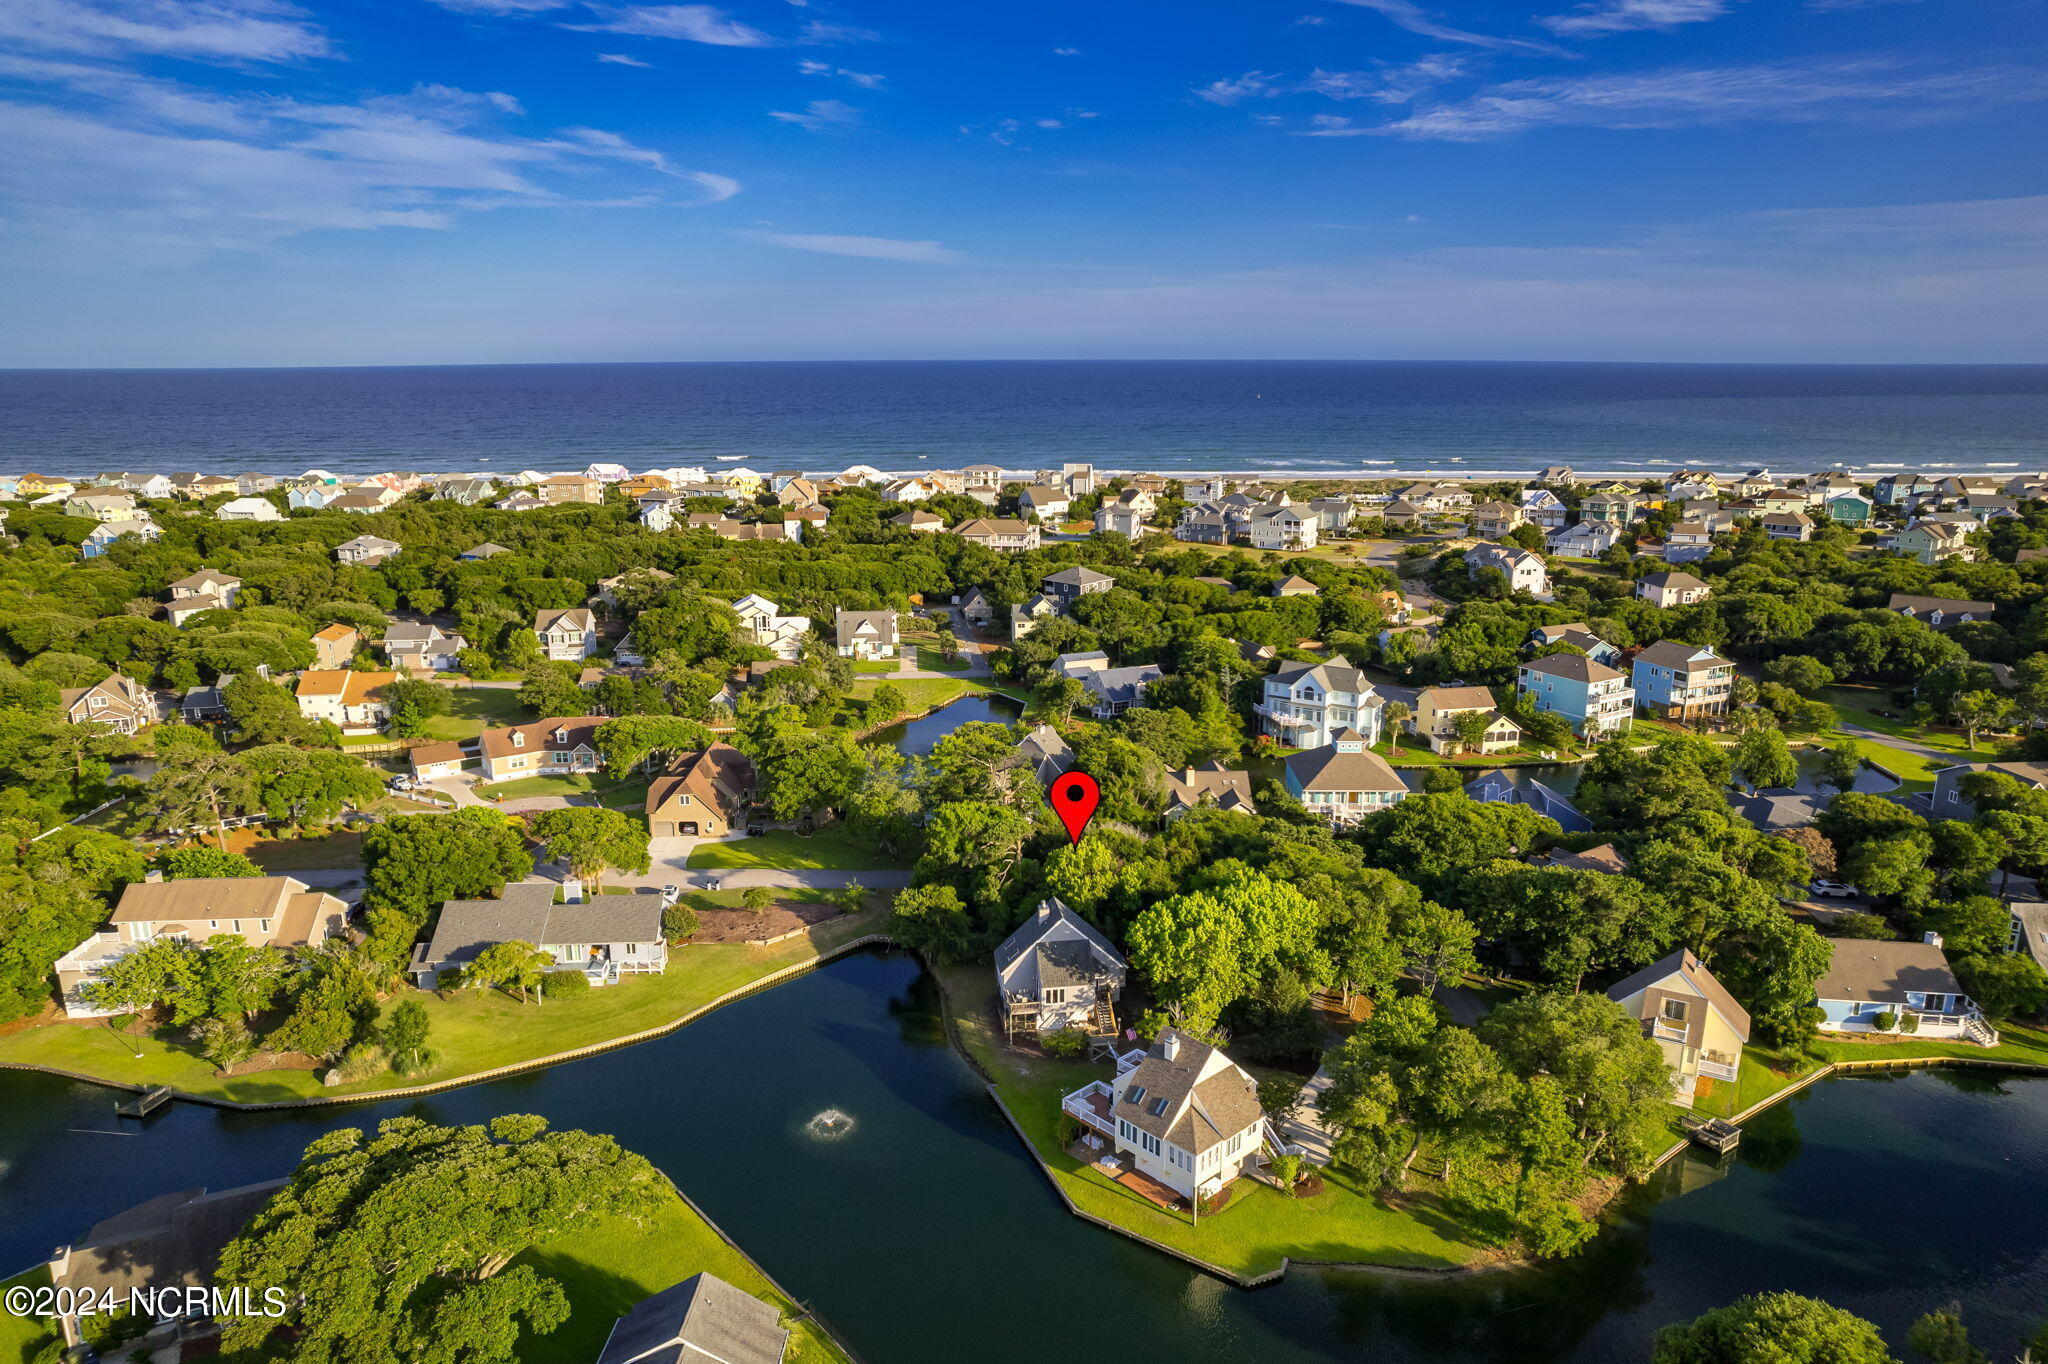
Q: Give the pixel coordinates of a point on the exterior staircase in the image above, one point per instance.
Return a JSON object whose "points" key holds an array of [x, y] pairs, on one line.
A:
{"points": [[1980, 1032]]}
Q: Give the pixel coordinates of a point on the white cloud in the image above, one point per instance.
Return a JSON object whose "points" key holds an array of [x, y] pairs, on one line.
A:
{"points": [[1048, 123], [1389, 85], [201, 30], [1597, 18], [621, 59], [134, 169], [820, 115], [502, 6], [1871, 90], [868, 248], [1066, 52], [690, 23], [818, 32], [1411, 16], [863, 79], [1234, 90]]}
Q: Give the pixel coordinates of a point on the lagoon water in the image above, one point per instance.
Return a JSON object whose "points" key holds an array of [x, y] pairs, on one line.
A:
{"points": [[925, 1234], [1332, 418]]}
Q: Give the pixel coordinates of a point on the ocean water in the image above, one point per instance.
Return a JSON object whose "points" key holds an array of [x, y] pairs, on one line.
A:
{"points": [[1331, 418]]}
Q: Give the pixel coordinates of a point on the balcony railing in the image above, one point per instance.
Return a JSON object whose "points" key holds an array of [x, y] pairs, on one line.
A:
{"points": [[1082, 1104], [1718, 1070]]}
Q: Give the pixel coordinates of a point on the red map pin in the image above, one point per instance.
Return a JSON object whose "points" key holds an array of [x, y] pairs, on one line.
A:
{"points": [[1074, 797]]}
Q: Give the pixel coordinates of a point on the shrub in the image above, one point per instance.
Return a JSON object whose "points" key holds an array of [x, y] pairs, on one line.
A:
{"points": [[1885, 1021], [557, 983], [1067, 1043], [1909, 1023], [678, 922], [1872, 926], [224, 1041], [1287, 1169], [359, 1062], [757, 899]]}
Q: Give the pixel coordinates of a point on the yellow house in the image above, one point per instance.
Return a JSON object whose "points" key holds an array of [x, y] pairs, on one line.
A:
{"points": [[1691, 1017], [36, 485], [1436, 714]]}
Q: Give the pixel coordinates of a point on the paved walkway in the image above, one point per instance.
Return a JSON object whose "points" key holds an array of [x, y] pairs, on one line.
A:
{"points": [[1304, 1128]]}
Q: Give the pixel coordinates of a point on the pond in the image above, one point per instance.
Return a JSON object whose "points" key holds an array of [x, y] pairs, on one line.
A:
{"points": [[922, 1232], [918, 737]]}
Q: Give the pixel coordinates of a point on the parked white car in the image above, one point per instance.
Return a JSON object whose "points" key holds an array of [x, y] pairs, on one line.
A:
{"points": [[1832, 890]]}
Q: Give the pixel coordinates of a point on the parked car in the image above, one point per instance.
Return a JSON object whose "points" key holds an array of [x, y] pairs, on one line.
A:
{"points": [[402, 782], [1833, 890]]}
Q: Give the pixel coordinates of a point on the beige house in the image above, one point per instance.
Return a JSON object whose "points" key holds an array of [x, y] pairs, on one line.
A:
{"points": [[1213, 785], [702, 795], [1691, 1017], [347, 698], [1931, 542], [572, 488], [543, 748], [366, 550], [264, 911], [1491, 520], [1437, 710], [566, 636], [118, 701], [865, 634], [1672, 589], [334, 646], [999, 533]]}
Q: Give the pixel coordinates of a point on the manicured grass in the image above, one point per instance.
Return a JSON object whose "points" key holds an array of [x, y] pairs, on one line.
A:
{"points": [[830, 849], [1860, 706], [605, 1270], [477, 709], [630, 794], [22, 1337], [876, 665], [470, 1030], [921, 694], [930, 660], [1258, 1228], [1915, 771]]}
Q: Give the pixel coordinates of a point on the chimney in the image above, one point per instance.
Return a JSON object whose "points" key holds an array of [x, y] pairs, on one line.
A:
{"points": [[152, 877], [1931, 939], [1169, 1044]]}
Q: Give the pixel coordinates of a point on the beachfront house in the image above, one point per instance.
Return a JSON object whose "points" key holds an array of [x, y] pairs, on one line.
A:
{"points": [[1594, 697], [1056, 973], [1180, 1121], [701, 795], [263, 911], [1305, 705], [1870, 985], [1691, 1017], [610, 937], [1343, 781]]}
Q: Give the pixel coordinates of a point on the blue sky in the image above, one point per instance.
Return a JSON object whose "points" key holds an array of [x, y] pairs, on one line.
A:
{"points": [[232, 182]]}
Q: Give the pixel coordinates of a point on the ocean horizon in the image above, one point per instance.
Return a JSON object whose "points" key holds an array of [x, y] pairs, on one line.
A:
{"points": [[1299, 418]]}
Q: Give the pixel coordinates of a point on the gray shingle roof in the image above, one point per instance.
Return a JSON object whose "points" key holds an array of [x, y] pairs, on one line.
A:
{"points": [[701, 1319]]}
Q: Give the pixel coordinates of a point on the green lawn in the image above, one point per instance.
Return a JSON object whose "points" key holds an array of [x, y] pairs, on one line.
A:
{"points": [[876, 665], [930, 660], [21, 1338], [1915, 772], [921, 694], [1259, 1226], [630, 794], [829, 849], [478, 709], [471, 1031], [607, 1269], [1860, 706]]}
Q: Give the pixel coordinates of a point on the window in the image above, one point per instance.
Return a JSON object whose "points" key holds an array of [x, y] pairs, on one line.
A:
{"points": [[1054, 996], [1674, 1010]]}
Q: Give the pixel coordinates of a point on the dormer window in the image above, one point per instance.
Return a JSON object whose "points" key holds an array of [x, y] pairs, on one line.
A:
{"points": [[518, 739]]}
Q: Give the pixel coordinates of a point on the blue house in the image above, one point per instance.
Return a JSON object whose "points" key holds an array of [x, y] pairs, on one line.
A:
{"points": [[1594, 697], [1906, 981]]}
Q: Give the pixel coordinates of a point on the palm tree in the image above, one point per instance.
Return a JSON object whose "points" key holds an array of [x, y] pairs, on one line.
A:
{"points": [[1397, 713]]}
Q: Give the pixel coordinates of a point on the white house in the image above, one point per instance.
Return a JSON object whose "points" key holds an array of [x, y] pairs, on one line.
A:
{"points": [[366, 550], [1522, 568], [865, 634], [568, 635], [1057, 972], [769, 629], [248, 509], [1307, 704], [1181, 1112], [1587, 540], [425, 647], [1284, 528], [346, 698]]}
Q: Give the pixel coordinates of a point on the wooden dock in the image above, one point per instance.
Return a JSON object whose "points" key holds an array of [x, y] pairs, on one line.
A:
{"points": [[145, 1103], [1715, 1134]]}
